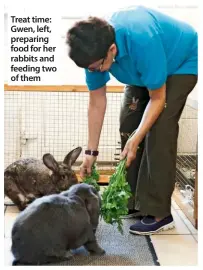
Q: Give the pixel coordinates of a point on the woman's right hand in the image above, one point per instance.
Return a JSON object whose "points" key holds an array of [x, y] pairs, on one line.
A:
{"points": [[86, 167]]}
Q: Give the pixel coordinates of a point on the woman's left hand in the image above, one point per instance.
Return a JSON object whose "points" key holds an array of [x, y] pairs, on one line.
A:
{"points": [[130, 150]]}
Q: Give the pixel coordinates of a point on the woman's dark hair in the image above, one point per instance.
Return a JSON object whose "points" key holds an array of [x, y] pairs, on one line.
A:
{"points": [[89, 41]]}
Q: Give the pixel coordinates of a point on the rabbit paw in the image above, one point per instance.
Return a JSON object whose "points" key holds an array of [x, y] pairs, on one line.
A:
{"points": [[31, 197]]}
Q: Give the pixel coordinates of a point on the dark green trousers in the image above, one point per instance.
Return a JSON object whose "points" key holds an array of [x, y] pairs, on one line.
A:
{"points": [[152, 174]]}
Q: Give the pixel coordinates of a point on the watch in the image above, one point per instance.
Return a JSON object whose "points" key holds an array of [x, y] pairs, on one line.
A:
{"points": [[92, 153]]}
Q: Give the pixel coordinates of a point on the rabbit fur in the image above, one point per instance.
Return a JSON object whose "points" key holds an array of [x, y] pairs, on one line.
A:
{"points": [[51, 226], [30, 178]]}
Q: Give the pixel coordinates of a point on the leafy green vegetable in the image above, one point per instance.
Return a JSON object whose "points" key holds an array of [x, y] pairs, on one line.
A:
{"points": [[115, 197], [93, 178]]}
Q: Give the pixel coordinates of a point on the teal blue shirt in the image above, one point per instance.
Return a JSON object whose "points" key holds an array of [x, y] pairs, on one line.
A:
{"points": [[151, 46]]}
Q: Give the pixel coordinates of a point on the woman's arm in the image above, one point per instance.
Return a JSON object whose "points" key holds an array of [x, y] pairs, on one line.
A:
{"points": [[96, 112]]}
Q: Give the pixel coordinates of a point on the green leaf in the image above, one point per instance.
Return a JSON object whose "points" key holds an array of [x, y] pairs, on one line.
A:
{"points": [[115, 197], [93, 178]]}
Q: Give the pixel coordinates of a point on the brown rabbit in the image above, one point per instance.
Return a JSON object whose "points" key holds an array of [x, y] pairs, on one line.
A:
{"points": [[30, 178]]}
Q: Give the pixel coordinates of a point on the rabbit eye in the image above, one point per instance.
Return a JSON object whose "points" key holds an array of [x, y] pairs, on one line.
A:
{"points": [[63, 177]]}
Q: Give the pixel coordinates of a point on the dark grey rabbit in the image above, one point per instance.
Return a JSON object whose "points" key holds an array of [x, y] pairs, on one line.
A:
{"points": [[28, 179], [47, 230]]}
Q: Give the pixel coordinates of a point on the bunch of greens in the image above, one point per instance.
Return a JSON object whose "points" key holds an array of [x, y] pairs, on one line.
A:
{"points": [[93, 178], [115, 197]]}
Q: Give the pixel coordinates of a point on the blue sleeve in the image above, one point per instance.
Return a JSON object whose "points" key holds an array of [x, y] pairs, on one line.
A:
{"points": [[151, 62], [95, 80]]}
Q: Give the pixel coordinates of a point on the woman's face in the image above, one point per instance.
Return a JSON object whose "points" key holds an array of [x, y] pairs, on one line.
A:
{"points": [[104, 64]]}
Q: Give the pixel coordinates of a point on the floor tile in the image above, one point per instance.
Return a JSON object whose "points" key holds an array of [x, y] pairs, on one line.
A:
{"points": [[8, 257], [187, 222], [176, 250], [174, 205], [12, 209], [195, 237], [9, 219]]}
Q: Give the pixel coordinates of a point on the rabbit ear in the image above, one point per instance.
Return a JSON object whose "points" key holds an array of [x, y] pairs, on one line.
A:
{"points": [[93, 191], [72, 156], [50, 162]]}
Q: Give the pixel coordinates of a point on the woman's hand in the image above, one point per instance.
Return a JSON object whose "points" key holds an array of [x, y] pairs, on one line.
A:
{"points": [[130, 150], [86, 167]]}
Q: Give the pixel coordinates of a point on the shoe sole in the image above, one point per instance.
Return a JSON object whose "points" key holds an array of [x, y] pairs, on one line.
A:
{"points": [[167, 227]]}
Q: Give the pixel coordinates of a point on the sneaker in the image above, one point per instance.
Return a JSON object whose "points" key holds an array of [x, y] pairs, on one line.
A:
{"points": [[131, 214], [148, 225]]}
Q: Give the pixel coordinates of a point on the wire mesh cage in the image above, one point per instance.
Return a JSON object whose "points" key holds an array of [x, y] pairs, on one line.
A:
{"points": [[187, 154], [56, 122]]}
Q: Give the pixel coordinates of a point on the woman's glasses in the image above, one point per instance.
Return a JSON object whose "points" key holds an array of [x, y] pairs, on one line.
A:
{"points": [[98, 68]]}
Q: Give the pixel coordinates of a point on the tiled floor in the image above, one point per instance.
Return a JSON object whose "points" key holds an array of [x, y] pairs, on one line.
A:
{"points": [[177, 247], [174, 247]]}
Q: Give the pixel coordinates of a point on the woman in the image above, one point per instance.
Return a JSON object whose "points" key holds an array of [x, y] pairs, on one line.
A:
{"points": [[156, 57]]}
